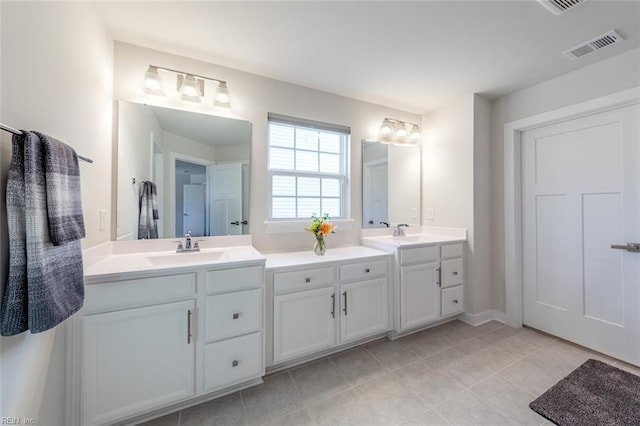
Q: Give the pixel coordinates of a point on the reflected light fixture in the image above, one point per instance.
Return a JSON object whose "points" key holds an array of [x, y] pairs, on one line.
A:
{"points": [[399, 133], [191, 87]]}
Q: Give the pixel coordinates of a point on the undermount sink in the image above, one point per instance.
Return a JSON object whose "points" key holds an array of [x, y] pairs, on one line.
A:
{"points": [[185, 258]]}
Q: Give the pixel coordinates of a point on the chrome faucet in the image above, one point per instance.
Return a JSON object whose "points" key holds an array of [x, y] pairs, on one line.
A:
{"points": [[187, 244], [399, 231]]}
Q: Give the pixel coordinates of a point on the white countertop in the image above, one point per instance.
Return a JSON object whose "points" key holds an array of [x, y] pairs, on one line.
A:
{"points": [[299, 258], [415, 236], [118, 260]]}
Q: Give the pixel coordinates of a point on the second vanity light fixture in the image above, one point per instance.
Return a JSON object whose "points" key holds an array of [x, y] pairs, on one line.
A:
{"points": [[399, 132], [190, 86]]}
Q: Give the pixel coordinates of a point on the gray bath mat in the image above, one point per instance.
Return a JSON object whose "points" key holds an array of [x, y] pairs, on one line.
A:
{"points": [[593, 394]]}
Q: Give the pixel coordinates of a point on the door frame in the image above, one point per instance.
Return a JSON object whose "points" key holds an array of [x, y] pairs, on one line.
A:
{"points": [[513, 186]]}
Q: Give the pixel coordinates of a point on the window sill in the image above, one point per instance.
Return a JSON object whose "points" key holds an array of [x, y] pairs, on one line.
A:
{"points": [[290, 226]]}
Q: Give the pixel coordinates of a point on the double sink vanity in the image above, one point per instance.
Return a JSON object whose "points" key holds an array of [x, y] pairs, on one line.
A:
{"points": [[162, 330]]}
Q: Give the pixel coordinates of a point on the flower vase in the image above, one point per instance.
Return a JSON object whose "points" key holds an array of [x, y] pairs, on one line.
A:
{"points": [[319, 248]]}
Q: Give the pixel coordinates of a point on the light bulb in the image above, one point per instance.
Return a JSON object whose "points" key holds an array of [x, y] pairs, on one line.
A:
{"points": [[386, 131]]}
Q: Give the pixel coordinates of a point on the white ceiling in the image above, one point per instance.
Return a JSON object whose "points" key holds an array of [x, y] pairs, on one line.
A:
{"points": [[414, 56], [204, 128]]}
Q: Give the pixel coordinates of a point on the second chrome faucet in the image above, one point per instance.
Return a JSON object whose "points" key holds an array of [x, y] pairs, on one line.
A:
{"points": [[187, 244]]}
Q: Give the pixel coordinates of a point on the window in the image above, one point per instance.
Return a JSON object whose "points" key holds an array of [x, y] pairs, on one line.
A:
{"points": [[307, 168]]}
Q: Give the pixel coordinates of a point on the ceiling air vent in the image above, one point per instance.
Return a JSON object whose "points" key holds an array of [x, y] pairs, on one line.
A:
{"points": [[600, 42], [558, 7]]}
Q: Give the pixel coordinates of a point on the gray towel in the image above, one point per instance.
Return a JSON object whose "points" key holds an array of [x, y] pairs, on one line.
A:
{"points": [[64, 205], [148, 205], [45, 282]]}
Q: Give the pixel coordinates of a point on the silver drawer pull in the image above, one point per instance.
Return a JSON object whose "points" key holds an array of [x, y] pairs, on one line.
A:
{"points": [[367, 270], [236, 315], [307, 280], [455, 300], [235, 363]]}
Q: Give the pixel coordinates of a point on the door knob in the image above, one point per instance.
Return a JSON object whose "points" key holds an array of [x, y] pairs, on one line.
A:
{"points": [[631, 247]]}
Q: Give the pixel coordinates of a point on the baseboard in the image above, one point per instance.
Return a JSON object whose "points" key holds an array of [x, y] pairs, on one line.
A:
{"points": [[482, 317]]}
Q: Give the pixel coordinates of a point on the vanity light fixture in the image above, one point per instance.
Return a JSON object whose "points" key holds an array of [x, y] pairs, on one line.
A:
{"points": [[191, 87], [398, 132], [153, 82]]}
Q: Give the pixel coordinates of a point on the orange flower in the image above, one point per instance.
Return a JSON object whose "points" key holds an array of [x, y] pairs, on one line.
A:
{"points": [[325, 229]]}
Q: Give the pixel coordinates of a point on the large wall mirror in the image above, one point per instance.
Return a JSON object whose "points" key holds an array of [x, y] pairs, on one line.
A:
{"points": [[199, 164], [390, 184]]}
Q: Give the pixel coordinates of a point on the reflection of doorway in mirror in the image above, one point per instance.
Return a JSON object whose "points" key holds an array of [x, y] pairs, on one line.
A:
{"points": [[226, 213], [190, 198], [375, 193]]}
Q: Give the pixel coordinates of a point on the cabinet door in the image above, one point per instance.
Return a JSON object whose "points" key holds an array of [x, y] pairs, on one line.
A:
{"points": [[136, 360], [419, 295], [303, 323], [364, 309]]}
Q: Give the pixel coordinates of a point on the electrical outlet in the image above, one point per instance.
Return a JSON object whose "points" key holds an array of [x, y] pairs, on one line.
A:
{"points": [[430, 213], [414, 213], [104, 217]]}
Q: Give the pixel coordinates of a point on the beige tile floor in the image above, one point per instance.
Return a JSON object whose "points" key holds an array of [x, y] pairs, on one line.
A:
{"points": [[451, 374]]}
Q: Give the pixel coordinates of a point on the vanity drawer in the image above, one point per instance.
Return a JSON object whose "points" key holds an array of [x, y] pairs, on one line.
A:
{"points": [[284, 282], [232, 314], [232, 361], [452, 300], [363, 270], [140, 292], [452, 272], [223, 280], [419, 254], [452, 250]]}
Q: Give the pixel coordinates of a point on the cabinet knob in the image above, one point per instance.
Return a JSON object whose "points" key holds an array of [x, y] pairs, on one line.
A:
{"points": [[367, 270], [235, 363], [307, 280], [236, 315], [455, 300], [455, 272]]}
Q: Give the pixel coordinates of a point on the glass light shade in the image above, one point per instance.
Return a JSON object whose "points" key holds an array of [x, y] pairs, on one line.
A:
{"points": [[189, 89], [414, 135], [153, 82], [222, 98], [401, 133], [386, 131]]}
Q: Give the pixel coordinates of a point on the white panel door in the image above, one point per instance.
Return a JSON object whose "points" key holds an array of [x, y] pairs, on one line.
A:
{"points": [[194, 209], [226, 199], [581, 194], [136, 360], [364, 307], [303, 323], [419, 295], [375, 193]]}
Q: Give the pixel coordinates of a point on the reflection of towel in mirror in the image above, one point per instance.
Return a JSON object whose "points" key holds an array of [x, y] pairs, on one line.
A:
{"points": [[45, 282], [148, 204]]}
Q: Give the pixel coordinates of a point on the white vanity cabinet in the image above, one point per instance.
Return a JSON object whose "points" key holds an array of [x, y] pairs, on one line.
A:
{"points": [[233, 326], [158, 340], [122, 372], [430, 284], [452, 279], [317, 306]]}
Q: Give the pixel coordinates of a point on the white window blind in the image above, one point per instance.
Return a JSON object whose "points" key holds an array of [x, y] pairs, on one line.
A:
{"points": [[307, 168]]}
